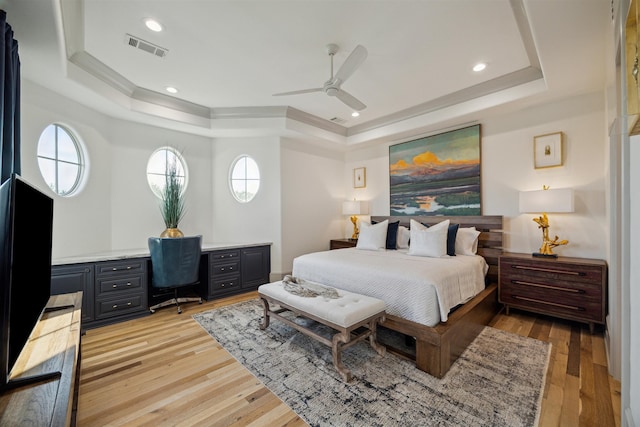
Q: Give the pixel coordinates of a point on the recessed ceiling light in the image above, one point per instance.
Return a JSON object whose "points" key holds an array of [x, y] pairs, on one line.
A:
{"points": [[153, 25], [479, 67], [355, 114], [171, 89]]}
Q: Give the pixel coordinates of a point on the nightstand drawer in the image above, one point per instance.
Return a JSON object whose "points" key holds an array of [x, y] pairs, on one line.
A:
{"points": [[551, 272], [570, 288], [342, 243], [558, 302]]}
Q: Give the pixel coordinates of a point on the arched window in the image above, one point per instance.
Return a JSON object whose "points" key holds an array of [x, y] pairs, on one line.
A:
{"points": [[244, 179], [160, 162], [60, 159]]}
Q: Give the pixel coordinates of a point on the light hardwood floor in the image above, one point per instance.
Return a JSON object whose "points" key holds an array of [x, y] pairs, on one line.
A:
{"points": [[165, 369]]}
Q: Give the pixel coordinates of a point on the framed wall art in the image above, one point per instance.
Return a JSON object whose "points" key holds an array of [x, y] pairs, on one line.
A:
{"points": [[547, 150], [359, 177], [436, 175]]}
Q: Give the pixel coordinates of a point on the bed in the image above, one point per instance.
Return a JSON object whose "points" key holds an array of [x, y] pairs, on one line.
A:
{"points": [[443, 322]]}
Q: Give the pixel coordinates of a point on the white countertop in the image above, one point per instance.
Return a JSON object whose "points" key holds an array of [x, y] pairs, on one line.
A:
{"points": [[141, 253]]}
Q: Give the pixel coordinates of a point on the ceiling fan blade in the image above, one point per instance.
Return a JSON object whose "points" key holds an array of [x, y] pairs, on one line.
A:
{"points": [[298, 92], [350, 100], [352, 63]]}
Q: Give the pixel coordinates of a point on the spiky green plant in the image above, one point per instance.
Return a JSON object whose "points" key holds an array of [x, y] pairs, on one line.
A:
{"points": [[172, 206]]}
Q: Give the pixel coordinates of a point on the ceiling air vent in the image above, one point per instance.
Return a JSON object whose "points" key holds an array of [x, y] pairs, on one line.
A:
{"points": [[338, 120], [144, 45]]}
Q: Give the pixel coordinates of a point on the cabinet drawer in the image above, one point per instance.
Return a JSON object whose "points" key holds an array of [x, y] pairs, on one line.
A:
{"points": [[119, 306], [549, 290], [551, 272], [119, 267], [230, 267], [579, 309], [228, 285], [118, 284], [218, 256]]}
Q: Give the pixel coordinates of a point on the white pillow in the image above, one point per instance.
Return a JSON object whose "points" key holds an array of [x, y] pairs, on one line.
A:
{"points": [[402, 242], [372, 237], [430, 242], [467, 241]]}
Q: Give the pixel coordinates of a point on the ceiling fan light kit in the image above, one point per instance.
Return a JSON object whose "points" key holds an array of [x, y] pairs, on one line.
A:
{"points": [[332, 86]]}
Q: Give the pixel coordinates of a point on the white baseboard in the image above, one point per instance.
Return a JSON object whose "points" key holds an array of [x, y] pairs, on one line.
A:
{"points": [[629, 418]]}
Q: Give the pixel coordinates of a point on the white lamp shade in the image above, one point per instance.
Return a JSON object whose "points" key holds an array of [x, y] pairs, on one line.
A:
{"points": [[548, 201], [355, 207]]}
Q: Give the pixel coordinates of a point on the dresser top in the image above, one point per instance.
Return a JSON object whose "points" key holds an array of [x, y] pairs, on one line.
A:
{"points": [[142, 253], [559, 259]]}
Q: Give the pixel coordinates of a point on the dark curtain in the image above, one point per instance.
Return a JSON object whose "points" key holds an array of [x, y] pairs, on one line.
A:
{"points": [[9, 101]]}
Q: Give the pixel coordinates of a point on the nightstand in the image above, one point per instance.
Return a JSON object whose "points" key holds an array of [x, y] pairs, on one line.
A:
{"points": [[569, 288], [342, 243]]}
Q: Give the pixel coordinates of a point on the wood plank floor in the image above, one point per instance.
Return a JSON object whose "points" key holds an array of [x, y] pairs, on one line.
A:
{"points": [[165, 369]]}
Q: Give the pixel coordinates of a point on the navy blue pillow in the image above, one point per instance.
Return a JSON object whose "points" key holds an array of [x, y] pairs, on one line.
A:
{"points": [[392, 234], [451, 239], [452, 232]]}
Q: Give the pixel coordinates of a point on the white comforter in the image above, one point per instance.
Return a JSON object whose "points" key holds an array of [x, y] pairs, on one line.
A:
{"points": [[419, 289]]}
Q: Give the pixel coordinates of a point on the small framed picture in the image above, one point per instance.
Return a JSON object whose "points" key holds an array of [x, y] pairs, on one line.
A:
{"points": [[547, 150], [359, 177]]}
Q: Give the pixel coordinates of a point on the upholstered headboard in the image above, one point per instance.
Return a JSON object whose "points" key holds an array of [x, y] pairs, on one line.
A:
{"points": [[489, 241]]}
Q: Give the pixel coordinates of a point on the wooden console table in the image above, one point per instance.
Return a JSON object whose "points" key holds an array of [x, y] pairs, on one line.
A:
{"points": [[54, 345]]}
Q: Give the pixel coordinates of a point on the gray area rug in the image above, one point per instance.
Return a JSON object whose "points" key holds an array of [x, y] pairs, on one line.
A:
{"points": [[497, 381]]}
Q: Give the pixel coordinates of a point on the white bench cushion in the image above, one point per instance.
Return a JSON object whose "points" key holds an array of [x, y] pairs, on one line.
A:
{"points": [[345, 311]]}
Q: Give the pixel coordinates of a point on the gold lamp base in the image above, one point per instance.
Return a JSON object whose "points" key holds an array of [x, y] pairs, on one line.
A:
{"points": [[356, 231], [546, 250]]}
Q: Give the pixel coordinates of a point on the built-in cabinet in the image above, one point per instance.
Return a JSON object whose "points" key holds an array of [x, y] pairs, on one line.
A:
{"points": [[118, 289]]}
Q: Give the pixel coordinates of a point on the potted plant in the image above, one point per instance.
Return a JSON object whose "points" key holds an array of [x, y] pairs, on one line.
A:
{"points": [[172, 203]]}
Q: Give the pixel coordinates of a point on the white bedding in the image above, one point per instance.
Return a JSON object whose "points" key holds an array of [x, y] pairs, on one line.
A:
{"points": [[420, 289]]}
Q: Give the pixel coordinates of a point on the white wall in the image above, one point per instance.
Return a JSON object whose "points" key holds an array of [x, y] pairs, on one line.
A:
{"points": [[116, 208], [82, 224], [634, 280], [259, 219], [507, 168], [135, 212], [312, 191]]}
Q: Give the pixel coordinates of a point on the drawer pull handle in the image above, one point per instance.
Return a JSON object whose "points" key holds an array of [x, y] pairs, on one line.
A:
{"points": [[222, 269], [114, 286], [128, 283], [115, 306], [555, 288], [555, 304], [548, 270]]}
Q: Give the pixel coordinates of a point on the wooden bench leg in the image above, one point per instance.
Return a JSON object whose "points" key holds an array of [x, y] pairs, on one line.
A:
{"points": [[336, 349], [265, 319], [373, 337]]}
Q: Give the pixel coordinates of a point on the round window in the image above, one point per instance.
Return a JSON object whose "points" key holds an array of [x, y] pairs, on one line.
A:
{"points": [[244, 179], [60, 159], [160, 163]]}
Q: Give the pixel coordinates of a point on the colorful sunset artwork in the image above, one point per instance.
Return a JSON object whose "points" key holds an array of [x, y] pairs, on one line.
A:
{"points": [[436, 175]]}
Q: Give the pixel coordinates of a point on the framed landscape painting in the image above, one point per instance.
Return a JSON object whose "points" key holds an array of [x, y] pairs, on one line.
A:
{"points": [[436, 175]]}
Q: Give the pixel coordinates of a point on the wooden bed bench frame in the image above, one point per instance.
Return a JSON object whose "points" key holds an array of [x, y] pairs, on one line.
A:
{"points": [[439, 346], [346, 336]]}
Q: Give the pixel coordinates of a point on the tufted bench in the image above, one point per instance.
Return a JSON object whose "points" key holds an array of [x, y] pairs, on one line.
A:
{"points": [[345, 314]]}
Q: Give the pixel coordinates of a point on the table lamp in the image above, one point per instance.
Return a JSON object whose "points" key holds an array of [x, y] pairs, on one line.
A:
{"points": [[544, 201], [354, 208]]}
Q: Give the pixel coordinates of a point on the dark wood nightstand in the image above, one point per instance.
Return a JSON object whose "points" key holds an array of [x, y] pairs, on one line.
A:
{"points": [[342, 243], [569, 288]]}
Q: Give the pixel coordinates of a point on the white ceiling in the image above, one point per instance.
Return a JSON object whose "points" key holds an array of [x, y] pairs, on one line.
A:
{"points": [[228, 57]]}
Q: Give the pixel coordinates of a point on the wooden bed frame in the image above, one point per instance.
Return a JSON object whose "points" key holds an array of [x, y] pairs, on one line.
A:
{"points": [[439, 346]]}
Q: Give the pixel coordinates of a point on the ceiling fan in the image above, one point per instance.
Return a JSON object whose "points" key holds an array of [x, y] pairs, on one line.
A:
{"points": [[332, 86]]}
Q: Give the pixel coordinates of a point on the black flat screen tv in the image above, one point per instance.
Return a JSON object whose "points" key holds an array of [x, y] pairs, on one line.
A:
{"points": [[26, 226]]}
